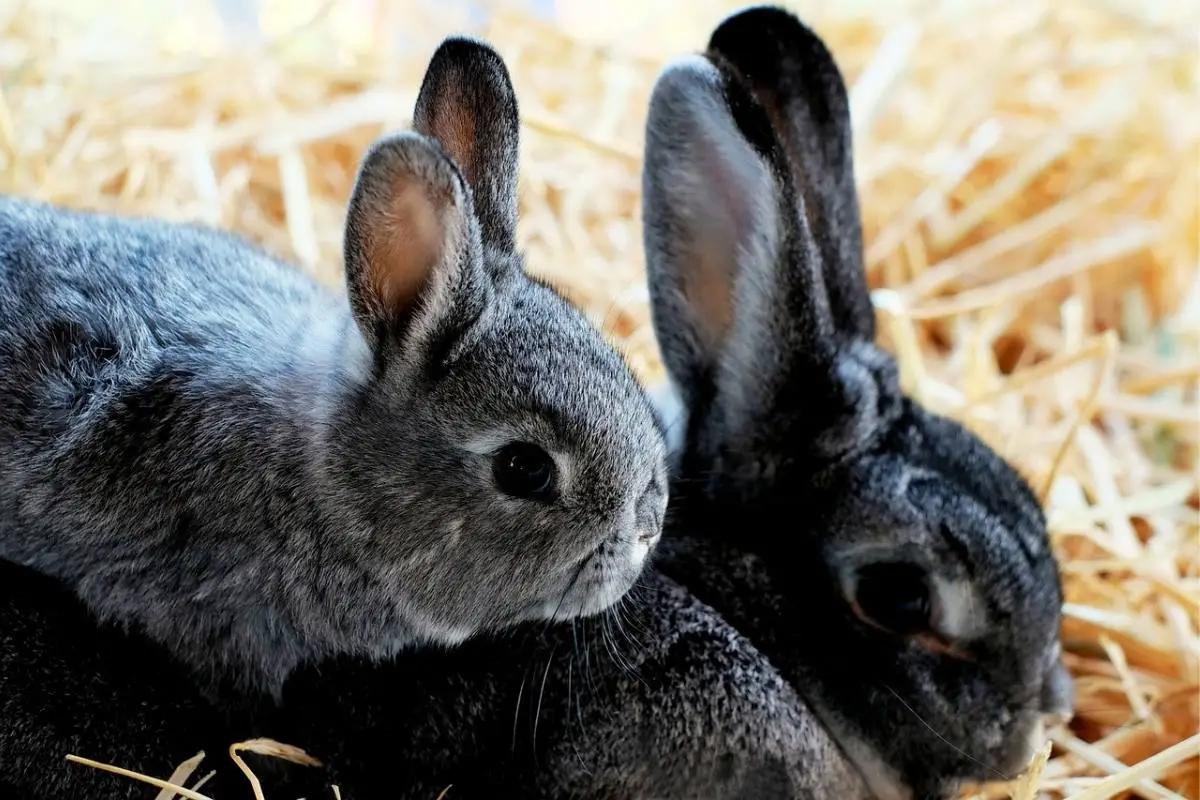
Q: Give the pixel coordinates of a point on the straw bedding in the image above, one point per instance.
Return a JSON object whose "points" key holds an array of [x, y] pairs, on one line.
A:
{"points": [[1031, 189]]}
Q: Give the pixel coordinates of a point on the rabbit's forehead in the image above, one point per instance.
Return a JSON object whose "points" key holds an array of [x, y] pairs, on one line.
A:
{"points": [[542, 371]]}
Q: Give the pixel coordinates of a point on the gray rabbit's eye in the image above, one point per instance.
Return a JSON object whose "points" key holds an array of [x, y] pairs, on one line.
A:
{"points": [[894, 596], [525, 470]]}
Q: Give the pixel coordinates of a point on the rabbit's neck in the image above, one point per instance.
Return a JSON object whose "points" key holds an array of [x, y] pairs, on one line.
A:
{"points": [[302, 592]]}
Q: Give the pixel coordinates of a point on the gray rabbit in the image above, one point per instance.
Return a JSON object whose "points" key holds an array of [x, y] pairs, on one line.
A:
{"points": [[259, 472], [893, 567]]}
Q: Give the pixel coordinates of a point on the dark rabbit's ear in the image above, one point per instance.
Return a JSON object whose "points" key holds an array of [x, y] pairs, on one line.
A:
{"points": [[738, 303], [411, 245], [794, 76], [467, 104]]}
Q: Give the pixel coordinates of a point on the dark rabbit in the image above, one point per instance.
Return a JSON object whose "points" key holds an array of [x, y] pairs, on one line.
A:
{"points": [[260, 472], [679, 707], [894, 568]]}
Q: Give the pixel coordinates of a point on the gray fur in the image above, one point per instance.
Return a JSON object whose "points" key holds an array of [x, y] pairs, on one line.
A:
{"points": [[257, 471], [802, 462]]}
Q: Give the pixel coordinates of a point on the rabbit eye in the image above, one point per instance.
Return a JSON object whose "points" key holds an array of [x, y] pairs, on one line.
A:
{"points": [[524, 470], [894, 596]]}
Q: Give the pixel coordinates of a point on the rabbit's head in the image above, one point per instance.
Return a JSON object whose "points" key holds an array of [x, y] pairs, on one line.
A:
{"points": [[501, 455], [903, 574]]}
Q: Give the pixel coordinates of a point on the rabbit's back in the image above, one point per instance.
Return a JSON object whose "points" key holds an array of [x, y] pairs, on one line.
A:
{"points": [[98, 309], [84, 293], [150, 374]]}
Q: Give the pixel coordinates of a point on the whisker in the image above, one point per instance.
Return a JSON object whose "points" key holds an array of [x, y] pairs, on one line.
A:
{"points": [[537, 715], [553, 618], [995, 772], [613, 647], [630, 620], [587, 658], [517, 711], [587, 770]]}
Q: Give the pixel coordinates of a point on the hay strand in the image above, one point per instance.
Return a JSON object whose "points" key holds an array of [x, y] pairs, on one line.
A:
{"points": [[180, 777], [165, 786], [267, 747]]}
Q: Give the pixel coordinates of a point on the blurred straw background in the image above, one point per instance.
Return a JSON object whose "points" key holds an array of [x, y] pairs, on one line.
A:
{"points": [[1031, 188]]}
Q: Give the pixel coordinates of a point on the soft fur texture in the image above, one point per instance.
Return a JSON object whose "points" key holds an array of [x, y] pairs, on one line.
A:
{"points": [[260, 472], [804, 474], [673, 704]]}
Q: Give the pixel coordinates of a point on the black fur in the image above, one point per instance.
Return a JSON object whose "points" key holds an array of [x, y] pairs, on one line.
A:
{"points": [[672, 704]]}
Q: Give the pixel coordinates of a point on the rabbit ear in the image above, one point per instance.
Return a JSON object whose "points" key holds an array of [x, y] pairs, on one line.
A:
{"points": [[738, 303], [794, 76], [411, 242], [467, 104]]}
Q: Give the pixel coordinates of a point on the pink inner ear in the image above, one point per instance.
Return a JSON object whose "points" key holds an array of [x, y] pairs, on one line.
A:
{"points": [[730, 220], [406, 239]]}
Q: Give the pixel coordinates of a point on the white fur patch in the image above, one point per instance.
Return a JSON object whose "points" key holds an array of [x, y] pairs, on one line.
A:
{"points": [[641, 549], [961, 614]]}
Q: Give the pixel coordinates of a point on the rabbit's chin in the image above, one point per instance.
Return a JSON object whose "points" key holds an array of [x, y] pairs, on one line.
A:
{"points": [[1024, 746], [598, 584], [886, 783]]}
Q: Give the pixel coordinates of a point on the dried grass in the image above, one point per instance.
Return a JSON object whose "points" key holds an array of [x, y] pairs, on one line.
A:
{"points": [[1030, 180]]}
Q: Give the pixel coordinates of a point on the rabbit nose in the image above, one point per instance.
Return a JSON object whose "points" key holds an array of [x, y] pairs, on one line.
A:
{"points": [[649, 536]]}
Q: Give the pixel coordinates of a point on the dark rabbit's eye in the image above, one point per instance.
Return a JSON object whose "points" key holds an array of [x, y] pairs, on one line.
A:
{"points": [[524, 470], [894, 596]]}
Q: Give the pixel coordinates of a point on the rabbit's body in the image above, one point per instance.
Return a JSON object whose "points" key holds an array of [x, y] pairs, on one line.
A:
{"points": [[168, 394], [72, 686], [678, 707], [258, 471]]}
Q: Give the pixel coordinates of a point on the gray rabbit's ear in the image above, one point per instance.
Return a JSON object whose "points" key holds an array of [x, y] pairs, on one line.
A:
{"points": [[795, 78], [467, 105], [411, 243], [737, 299]]}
